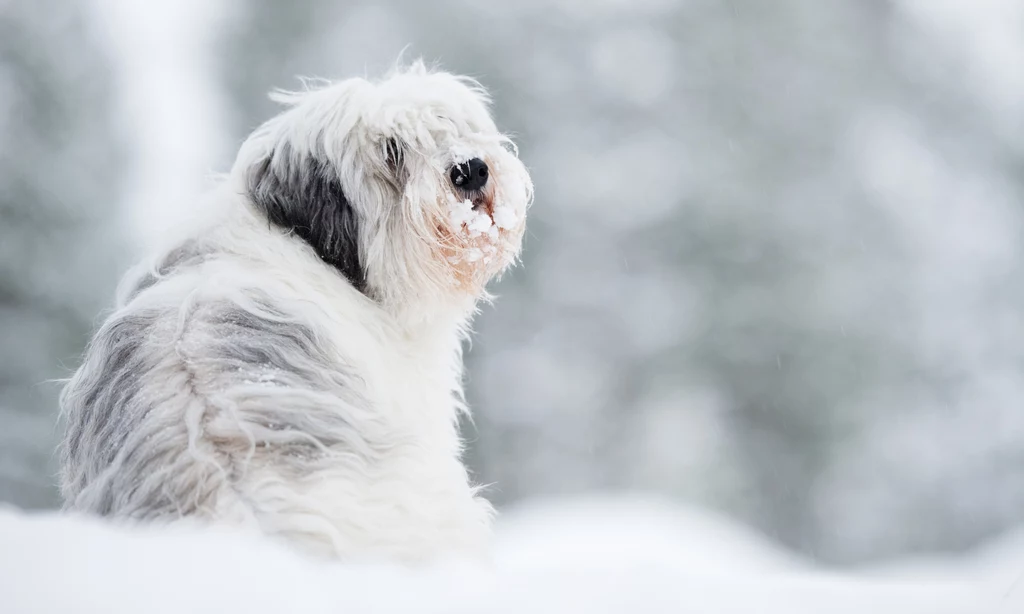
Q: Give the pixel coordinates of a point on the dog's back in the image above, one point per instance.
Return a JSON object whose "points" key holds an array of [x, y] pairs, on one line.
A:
{"points": [[230, 387]]}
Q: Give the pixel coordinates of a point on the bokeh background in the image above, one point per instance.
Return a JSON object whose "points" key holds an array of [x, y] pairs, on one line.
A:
{"points": [[774, 268]]}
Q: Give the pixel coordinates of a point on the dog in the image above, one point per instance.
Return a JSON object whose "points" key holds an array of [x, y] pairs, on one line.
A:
{"points": [[291, 362]]}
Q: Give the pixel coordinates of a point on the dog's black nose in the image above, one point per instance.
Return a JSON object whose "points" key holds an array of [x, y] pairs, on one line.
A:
{"points": [[470, 176]]}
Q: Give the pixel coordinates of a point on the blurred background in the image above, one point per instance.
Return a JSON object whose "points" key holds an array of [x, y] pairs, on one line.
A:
{"points": [[773, 270]]}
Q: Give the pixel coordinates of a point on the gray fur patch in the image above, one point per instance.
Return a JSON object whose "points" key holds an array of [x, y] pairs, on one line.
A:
{"points": [[302, 194], [269, 350], [189, 254], [260, 383], [101, 403]]}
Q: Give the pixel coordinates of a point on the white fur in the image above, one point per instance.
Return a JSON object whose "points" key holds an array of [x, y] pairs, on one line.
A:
{"points": [[344, 442]]}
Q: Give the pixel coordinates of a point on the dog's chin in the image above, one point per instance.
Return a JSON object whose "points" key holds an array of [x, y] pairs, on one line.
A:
{"points": [[480, 236]]}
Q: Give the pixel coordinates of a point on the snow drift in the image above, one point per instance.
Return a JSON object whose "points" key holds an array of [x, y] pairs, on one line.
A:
{"points": [[596, 556]]}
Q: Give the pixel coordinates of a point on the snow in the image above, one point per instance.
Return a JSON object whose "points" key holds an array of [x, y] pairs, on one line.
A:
{"points": [[480, 227], [462, 153], [554, 534], [505, 217], [479, 224], [595, 555], [460, 212]]}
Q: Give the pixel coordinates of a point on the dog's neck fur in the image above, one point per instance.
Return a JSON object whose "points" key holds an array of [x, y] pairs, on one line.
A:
{"points": [[431, 330]]}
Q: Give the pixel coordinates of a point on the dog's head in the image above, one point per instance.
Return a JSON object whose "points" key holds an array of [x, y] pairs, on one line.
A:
{"points": [[405, 185]]}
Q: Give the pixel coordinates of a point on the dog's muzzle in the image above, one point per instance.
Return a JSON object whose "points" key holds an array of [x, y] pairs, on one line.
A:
{"points": [[469, 176]]}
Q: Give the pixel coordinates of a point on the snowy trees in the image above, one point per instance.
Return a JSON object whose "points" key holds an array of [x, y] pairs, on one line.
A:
{"points": [[58, 237]]}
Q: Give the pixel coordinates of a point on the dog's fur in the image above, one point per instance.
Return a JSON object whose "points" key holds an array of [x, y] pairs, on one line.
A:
{"points": [[293, 362]]}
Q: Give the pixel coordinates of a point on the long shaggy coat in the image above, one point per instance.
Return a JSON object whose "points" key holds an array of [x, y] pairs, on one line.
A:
{"points": [[291, 361]]}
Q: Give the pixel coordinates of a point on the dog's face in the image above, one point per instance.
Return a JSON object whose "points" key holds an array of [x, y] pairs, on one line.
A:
{"points": [[405, 186]]}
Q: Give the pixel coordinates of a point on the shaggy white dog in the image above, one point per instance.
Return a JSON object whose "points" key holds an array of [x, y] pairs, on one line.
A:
{"points": [[294, 363]]}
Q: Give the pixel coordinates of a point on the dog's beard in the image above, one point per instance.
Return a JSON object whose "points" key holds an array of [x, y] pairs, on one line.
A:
{"points": [[479, 233]]}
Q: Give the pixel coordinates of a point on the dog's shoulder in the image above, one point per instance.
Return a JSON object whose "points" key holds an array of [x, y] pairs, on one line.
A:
{"points": [[198, 348]]}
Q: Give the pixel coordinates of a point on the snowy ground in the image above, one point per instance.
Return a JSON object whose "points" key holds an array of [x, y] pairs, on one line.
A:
{"points": [[593, 555]]}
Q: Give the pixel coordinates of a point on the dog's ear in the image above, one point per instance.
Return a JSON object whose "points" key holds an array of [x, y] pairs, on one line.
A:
{"points": [[303, 195]]}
